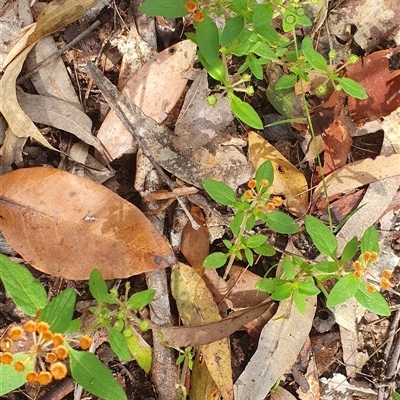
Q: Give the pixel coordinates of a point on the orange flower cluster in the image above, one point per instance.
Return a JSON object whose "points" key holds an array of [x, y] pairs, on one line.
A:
{"points": [[362, 266], [251, 194], [46, 352], [191, 6]]}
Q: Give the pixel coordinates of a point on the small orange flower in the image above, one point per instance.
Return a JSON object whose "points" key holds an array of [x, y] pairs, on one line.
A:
{"points": [[373, 255], [85, 342], [6, 358], [248, 194], [199, 16], [366, 256], [61, 352], [31, 376], [42, 327], [252, 183], [277, 200], [58, 370], [270, 206], [371, 288], [357, 265], [15, 332], [260, 208], [385, 284], [386, 273], [19, 366], [44, 377], [191, 6], [6, 344], [264, 183], [51, 357], [47, 335], [357, 274], [58, 338], [30, 326]]}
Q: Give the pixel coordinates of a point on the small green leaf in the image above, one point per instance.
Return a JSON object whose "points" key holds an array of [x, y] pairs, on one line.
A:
{"points": [[352, 88], [207, 38], [265, 250], [327, 267], [286, 82], [263, 51], [10, 378], [232, 30], [289, 268], [98, 287], [299, 301], [219, 192], [59, 312], [282, 292], [140, 350], [265, 171], [308, 287], [215, 260], [89, 372], [370, 240], [281, 222], [141, 299], [249, 256], [216, 70], [266, 285], [236, 223], [349, 250], [322, 237], [246, 113], [307, 43], [27, 293], [256, 241], [74, 326], [168, 9], [118, 344], [344, 289], [373, 302], [255, 67], [251, 220], [315, 59]]}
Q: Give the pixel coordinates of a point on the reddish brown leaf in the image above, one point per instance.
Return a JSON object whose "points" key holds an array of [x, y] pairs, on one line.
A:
{"points": [[65, 226]]}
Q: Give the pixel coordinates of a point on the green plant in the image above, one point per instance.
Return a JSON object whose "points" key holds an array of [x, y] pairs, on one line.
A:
{"points": [[50, 336], [298, 278], [246, 29]]}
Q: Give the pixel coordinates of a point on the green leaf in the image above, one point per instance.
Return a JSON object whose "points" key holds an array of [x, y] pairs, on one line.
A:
{"points": [[299, 301], [207, 38], [281, 222], [89, 372], [322, 237], [289, 21], [168, 9], [374, 302], [236, 222], [344, 289], [262, 17], [245, 112], [289, 268], [308, 287], [284, 100], [216, 70], [316, 60], [327, 267], [232, 30], [255, 67], [251, 220], [215, 260], [118, 344], [282, 292], [256, 241], [286, 82], [349, 250], [265, 171], [265, 250], [59, 312], [352, 88], [266, 285], [263, 51], [27, 293], [370, 240], [98, 287], [140, 350], [219, 192], [10, 378], [249, 256], [307, 43], [238, 6], [141, 299], [74, 326]]}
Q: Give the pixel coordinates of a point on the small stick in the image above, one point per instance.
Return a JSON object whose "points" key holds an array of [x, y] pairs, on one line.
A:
{"points": [[58, 53]]}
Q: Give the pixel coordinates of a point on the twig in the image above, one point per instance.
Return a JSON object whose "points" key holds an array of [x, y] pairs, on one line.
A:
{"points": [[58, 53]]}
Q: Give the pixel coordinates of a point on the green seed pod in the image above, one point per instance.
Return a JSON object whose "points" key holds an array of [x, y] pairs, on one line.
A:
{"points": [[332, 54], [290, 19], [300, 11], [212, 100], [127, 332], [353, 59], [250, 90]]}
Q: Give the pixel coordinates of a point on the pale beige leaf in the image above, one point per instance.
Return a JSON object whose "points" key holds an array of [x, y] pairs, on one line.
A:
{"points": [[65, 225]]}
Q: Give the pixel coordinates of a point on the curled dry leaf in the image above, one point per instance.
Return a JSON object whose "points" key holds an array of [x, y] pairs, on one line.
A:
{"points": [[65, 225], [288, 180]]}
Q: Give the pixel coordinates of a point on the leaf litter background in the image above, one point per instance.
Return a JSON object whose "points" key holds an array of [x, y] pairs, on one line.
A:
{"points": [[59, 107]]}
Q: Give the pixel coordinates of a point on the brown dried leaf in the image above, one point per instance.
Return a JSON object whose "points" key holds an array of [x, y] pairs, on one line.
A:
{"points": [[288, 180], [65, 225], [196, 305]]}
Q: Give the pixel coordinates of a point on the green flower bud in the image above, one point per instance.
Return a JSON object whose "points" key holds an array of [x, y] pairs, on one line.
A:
{"points": [[250, 90], [212, 100], [338, 87], [144, 326], [120, 315], [300, 11], [332, 54], [290, 19], [353, 59], [127, 332], [114, 292], [321, 90], [246, 77]]}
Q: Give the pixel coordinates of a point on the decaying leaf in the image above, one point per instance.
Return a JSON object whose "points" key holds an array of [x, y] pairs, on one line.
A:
{"points": [[65, 225], [196, 305], [288, 180], [155, 89], [359, 173]]}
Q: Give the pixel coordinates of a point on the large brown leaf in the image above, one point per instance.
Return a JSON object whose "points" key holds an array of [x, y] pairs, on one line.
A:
{"points": [[65, 225]]}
